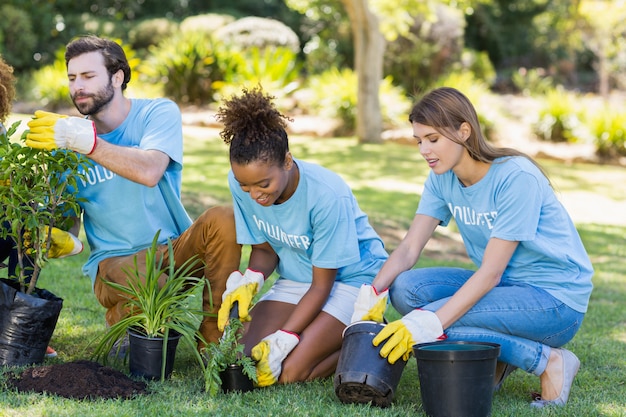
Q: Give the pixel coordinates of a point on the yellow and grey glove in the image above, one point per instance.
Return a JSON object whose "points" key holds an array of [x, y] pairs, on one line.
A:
{"points": [[63, 244], [240, 288], [419, 326], [270, 353], [370, 304], [51, 131]]}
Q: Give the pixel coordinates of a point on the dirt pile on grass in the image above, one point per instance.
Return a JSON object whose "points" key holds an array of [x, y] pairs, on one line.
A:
{"points": [[77, 380]]}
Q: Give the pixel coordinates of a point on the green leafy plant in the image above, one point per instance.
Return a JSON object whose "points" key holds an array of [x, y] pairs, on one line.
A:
{"points": [[227, 351], [158, 311], [38, 191], [609, 131]]}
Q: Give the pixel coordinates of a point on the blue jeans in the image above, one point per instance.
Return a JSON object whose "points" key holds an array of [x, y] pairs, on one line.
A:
{"points": [[524, 320]]}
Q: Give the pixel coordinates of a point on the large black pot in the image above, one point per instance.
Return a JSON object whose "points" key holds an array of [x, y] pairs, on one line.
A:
{"points": [[146, 354], [26, 323], [456, 378]]}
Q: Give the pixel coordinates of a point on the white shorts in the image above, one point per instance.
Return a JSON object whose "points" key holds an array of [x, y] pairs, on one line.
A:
{"points": [[340, 303]]}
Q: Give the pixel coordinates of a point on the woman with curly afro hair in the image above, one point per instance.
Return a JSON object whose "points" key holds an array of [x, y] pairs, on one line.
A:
{"points": [[303, 223], [7, 92]]}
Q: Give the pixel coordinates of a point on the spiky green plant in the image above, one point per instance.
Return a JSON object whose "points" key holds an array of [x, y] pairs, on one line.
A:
{"points": [[157, 311]]}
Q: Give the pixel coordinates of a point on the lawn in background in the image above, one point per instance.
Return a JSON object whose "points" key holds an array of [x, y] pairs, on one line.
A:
{"points": [[387, 180]]}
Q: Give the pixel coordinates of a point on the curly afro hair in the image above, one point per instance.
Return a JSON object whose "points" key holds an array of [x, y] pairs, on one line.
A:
{"points": [[7, 89], [253, 128]]}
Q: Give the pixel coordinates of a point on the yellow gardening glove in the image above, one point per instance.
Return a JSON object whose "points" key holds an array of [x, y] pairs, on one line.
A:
{"points": [[240, 288], [270, 354], [63, 244], [51, 131], [370, 305], [419, 326]]}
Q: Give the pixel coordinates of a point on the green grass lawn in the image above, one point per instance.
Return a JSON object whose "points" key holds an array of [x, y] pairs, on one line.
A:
{"points": [[387, 181]]}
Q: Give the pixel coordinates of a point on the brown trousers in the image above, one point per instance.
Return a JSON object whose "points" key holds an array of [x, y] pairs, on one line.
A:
{"points": [[211, 237]]}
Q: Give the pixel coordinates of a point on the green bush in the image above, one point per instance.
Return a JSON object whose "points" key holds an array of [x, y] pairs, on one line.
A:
{"points": [[609, 129], [560, 119], [276, 69], [428, 51], [532, 81], [333, 94], [49, 85], [17, 39], [186, 65], [151, 32]]}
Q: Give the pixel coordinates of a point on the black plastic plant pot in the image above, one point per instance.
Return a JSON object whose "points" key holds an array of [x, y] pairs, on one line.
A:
{"points": [[362, 375], [145, 358], [234, 380], [456, 378], [26, 323]]}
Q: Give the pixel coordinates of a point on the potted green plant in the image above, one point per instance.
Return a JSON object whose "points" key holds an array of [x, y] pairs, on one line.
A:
{"points": [[159, 315], [227, 367], [37, 193]]}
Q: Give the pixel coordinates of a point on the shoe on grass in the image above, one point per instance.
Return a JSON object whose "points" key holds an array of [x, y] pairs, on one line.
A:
{"points": [[51, 353]]}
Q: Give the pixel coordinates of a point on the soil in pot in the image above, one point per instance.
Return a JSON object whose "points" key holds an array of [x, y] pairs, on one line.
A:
{"points": [[26, 323], [362, 375], [146, 355], [77, 380], [234, 380]]}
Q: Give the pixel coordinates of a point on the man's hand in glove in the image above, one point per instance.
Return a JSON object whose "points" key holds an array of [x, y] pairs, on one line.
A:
{"points": [[63, 244], [419, 326], [241, 288], [370, 304], [51, 131], [270, 354]]}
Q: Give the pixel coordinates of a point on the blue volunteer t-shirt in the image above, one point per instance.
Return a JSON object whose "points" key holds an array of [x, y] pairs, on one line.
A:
{"points": [[120, 216], [320, 225], [515, 202]]}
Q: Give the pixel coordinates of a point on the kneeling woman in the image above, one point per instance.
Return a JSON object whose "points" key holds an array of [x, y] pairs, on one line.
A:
{"points": [[303, 222], [532, 283]]}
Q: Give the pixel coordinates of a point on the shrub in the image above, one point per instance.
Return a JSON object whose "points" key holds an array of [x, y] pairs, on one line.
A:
{"points": [[427, 51], [275, 68], [151, 32], [17, 37], [532, 81], [333, 94], [609, 129], [187, 66], [559, 120]]}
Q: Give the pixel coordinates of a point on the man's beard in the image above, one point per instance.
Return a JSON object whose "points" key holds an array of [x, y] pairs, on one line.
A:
{"points": [[99, 100]]}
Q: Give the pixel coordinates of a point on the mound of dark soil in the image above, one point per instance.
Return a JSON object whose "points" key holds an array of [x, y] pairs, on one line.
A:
{"points": [[78, 380]]}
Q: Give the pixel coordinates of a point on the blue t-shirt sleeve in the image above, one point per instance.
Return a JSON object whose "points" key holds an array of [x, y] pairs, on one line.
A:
{"points": [[163, 116], [518, 202]]}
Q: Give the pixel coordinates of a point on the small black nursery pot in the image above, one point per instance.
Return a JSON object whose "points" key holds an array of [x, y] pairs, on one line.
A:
{"points": [[234, 380], [362, 375]]}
